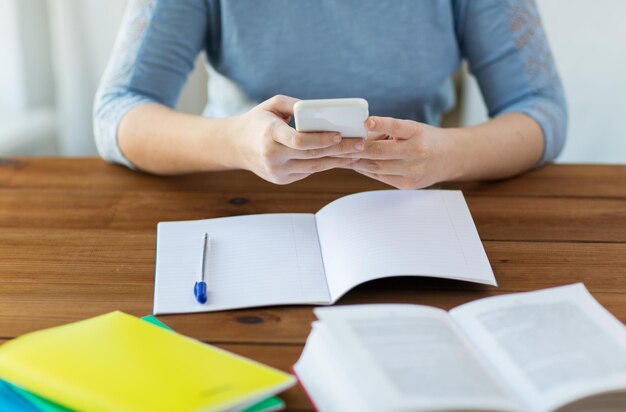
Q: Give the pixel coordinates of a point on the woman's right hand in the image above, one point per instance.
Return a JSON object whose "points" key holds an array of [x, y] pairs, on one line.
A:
{"points": [[265, 144]]}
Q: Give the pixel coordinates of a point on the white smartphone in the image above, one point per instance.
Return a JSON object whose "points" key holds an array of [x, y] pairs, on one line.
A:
{"points": [[346, 116]]}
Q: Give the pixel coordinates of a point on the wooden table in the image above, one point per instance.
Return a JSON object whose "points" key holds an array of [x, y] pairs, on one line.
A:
{"points": [[77, 239]]}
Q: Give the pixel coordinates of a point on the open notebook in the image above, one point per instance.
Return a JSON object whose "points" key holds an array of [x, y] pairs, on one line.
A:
{"points": [[278, 259]]}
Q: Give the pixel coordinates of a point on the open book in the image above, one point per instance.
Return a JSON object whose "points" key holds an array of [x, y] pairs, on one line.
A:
{"points": [[533, 351], [277, 259]]}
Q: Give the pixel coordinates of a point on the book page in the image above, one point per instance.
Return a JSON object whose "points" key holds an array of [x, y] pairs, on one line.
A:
{"points": [[326, 380], [386, 233], [409, 357], [255, 260], [553, 345]]}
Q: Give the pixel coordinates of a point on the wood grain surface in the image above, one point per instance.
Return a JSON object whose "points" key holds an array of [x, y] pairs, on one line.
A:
{"points": [[77, 239]]}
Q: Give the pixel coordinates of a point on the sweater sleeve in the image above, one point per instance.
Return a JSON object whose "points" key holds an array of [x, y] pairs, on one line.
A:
{"points": [[507, 51], [154, 53]]}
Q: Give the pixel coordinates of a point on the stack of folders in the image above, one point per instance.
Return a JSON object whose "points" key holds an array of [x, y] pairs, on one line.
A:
{"points": [[116, 362], [555, 349]]}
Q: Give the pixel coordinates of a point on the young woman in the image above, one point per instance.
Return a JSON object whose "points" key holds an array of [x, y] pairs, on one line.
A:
{"points": [[264, 55]]}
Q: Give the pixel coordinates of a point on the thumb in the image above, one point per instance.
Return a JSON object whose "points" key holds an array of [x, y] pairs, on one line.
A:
{"points": [[280, 105]]}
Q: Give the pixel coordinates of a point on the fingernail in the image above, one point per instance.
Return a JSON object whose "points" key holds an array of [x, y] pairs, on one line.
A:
{"points": [[356, 159], [359, 146], [370, 123], [337, 138]]}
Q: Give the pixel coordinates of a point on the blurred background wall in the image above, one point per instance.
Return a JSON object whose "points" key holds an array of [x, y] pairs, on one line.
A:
{"points": [[55, 51]]}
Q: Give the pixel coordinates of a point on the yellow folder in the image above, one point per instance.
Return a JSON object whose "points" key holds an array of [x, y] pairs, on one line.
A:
{"points": [[116, 362]]}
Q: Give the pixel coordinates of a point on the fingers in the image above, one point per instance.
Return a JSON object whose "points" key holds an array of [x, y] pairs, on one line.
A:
{"points": [[287, 136], [347, 148], [316, 165], [383, 150], [308, 141], [281, 132], [382, 167], [404, 129], [296, 169], [281, 105], [377, 136]]}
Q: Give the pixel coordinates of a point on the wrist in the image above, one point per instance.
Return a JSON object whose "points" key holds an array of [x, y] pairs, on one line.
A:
{"points": [[221, 142], [454, 155]]}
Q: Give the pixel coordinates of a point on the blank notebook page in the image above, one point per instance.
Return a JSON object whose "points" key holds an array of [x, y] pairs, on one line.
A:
{"points": [[392, 233], [255, 260]]}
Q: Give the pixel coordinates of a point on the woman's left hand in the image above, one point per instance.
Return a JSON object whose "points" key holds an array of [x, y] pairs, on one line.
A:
{"points": [[405, 154]]}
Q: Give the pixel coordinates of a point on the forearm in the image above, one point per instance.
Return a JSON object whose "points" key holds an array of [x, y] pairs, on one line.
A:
{"points": [[499, 148], [160, 140]]}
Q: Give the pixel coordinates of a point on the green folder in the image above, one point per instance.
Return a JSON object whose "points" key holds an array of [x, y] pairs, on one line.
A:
{"points": [[270, 404]]}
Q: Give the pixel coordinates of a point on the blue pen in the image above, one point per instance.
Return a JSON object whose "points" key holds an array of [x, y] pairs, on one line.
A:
{"points": [[199, 290]]}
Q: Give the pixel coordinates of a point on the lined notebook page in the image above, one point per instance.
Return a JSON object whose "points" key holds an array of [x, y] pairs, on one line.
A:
{"points": [[386, 233], [255, 260]]}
